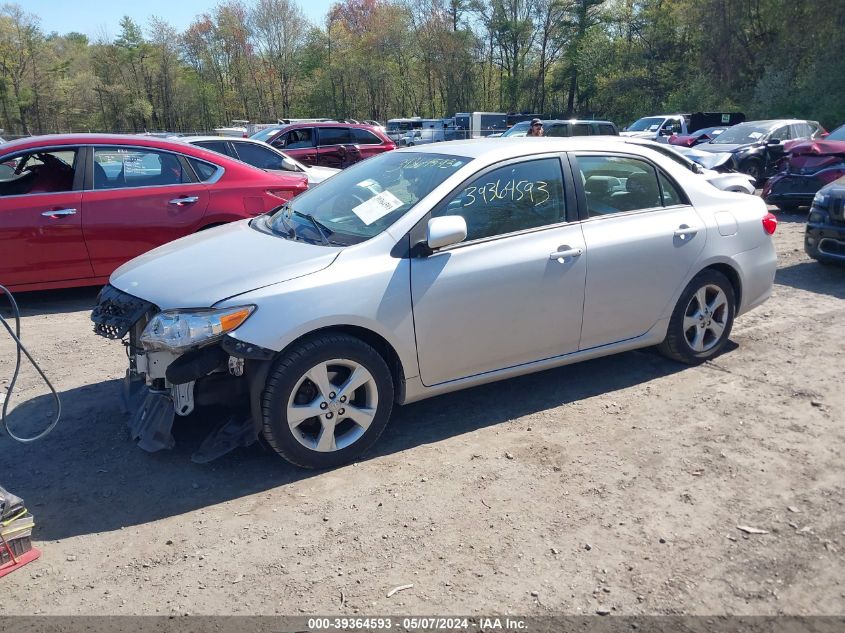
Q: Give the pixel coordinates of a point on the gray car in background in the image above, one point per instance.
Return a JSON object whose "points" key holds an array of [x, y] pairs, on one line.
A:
{"points": [[428, 270]]}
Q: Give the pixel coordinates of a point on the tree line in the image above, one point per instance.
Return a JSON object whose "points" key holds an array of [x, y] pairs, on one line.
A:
{"points": [[263, 60]]}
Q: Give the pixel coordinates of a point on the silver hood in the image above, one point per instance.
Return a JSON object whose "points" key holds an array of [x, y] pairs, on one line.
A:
{"points": [[202, 269]]}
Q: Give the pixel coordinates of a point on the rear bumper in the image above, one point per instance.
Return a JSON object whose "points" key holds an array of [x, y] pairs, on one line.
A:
{"points": [[757, 270]]}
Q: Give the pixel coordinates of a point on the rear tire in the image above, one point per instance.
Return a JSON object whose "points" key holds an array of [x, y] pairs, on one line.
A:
{"points": [[702, 319], [326, 401]]}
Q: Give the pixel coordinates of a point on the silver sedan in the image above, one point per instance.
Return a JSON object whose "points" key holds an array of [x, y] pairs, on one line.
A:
{"points": [[428, 270]]}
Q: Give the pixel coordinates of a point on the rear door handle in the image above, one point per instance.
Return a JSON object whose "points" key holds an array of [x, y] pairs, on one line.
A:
{"points": [[570, 252], [684, 231], [58, 213], [181, 202]]}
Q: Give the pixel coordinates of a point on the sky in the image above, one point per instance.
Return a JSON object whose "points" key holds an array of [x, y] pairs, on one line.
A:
{"points": [[93, 17]]}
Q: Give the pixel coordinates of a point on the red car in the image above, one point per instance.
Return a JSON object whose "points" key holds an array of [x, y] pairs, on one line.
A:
{"points": [[73, 207], [807, 167], [327, 144], [704, 135]]}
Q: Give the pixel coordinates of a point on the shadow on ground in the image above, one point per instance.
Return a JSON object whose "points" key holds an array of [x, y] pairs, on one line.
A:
{"points": [[88, 477], [51, 301], [813, 276]]}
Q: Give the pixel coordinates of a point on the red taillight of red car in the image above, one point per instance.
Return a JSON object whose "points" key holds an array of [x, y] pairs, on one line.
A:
{"points": [[770, 223]]}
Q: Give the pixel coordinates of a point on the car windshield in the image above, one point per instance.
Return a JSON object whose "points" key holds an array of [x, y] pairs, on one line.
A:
{"points": [[646, 124], [520, 129], [837, 135], [741, 134], [363, 200], [266, 133]]}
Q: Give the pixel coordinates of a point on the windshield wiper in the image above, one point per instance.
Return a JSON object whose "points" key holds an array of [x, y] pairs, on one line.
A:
{"points": [[322, 229]]}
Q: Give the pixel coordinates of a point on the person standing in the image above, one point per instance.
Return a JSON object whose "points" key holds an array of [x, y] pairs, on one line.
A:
{"points": [[535, 128]]}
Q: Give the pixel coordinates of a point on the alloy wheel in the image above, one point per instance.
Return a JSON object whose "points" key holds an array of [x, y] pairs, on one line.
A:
{"points": [[706, 318], [332, 405]]}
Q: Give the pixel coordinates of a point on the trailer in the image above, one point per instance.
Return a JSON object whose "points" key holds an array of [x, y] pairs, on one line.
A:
{"points": [[480, 124]]}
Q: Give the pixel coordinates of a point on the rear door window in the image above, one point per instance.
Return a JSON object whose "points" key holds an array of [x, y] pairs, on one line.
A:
{"points": [[616, 184], [117, 167], [334, 136], [581, 129], [604, 128]]}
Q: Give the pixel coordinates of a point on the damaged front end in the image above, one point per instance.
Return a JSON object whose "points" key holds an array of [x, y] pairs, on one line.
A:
{"points": [[180, 360]]}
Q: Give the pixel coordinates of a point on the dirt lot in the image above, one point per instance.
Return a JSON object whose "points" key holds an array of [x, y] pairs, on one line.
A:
{"points": [[617, 483]]}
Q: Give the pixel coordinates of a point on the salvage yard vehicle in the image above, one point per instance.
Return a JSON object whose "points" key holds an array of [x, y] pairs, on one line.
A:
{"points": [[704, 135], [428, 270], [808, 167], [717, 169], [327, 144], [824, 237], [757, 146], [260, 154], [73, 207], [661, 126]]}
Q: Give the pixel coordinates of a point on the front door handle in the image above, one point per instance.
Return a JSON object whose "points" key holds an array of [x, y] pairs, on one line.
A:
{"points": [[181, 202], [684, 231], [58, 213], [561, 255]]}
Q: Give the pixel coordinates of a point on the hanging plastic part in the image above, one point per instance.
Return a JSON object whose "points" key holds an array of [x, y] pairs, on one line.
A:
{"points": [[7, 397]]}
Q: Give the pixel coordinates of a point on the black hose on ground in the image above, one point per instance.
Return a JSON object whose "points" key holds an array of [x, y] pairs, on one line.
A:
{"points": [[16, 334]]}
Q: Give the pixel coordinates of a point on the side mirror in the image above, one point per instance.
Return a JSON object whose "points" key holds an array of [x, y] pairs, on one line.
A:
{"points": [[289, 165], [445, 231]]}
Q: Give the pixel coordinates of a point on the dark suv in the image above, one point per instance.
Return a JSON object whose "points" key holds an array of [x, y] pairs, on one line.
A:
{"points": [[567, 127], [327, 144], [824, 238]]}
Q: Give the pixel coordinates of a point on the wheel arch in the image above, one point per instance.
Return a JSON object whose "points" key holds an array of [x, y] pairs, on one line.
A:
{"points": [[385, 349], [733, 276]]}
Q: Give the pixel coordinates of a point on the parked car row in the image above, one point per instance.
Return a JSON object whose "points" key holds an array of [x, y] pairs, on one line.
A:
{"points": [[74, 207]]}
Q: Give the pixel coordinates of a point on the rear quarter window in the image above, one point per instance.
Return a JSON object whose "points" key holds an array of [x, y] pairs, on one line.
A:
{"points": [[204, 170]]}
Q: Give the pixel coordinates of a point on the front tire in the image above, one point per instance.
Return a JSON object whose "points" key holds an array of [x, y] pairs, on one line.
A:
{"points": [[752, 167], [702, 319], [327, 401]]}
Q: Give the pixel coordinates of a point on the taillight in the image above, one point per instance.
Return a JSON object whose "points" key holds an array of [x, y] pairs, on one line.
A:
{"points": [[770, 223], [281, 194]]}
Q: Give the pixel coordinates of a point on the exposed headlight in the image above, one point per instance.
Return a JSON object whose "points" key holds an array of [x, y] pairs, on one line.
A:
{"points": [[821, 200], [177, 330]]}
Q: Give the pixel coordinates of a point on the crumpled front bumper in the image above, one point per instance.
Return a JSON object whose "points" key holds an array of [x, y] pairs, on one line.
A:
{"points": [[159, 385]]}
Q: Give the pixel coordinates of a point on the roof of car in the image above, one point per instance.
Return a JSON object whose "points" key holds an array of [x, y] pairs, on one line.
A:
{"points": [[210, 137], [175, 144], [500, 148], [774, 122]]}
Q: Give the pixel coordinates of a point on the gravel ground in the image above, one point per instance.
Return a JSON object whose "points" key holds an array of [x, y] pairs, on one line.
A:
{"points": [[614, 484]]}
